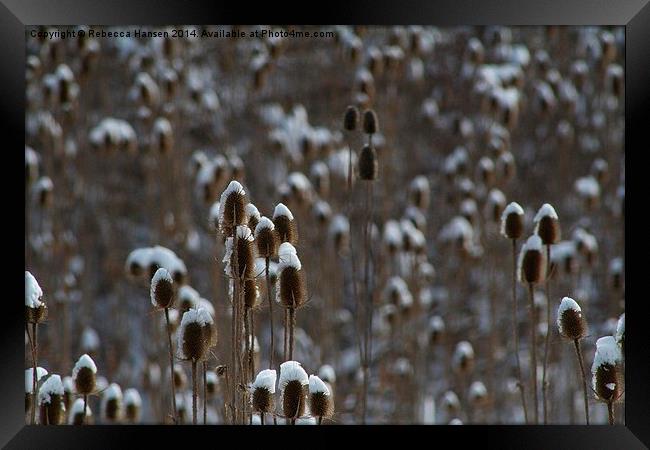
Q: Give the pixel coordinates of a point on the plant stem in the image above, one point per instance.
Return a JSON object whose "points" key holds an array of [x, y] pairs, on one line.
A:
{"points": [[576, 344], [292, 328], [83, 417], [268, 294], [251, 355], [610, 412], [247, 343], [320, 420], [533, 350], [32, 347], [194, 389], [515, 329], [205, 393], [171, 364], [548, 333], [286, 333]]}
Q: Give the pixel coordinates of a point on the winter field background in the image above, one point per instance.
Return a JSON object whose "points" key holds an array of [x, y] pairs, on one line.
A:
{"points": [[405, 276]]}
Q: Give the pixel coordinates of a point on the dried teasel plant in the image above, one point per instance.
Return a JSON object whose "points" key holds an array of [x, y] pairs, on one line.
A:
{"points": [[267, 247], [572, 325], [607, 377], [293, 384], [84, 376], [285, 226], [320, 399], [35, 313], [290, 291], [547, 227], [50, 401], [112, 404], [263, 391], [132, 406]]}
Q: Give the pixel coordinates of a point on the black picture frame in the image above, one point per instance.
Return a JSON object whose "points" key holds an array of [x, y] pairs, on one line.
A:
{"points": [[633, 14]]}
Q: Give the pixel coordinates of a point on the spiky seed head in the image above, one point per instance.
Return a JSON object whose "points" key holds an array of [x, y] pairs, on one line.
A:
{"points": [[35, 308], [112, 403], [266, 238], [368, 164], [285, 226], [251, 293], [606, 370], [532, 261], [351, 118], [370, 122], [195, 335], [547, 225], [293, 399], [132, 405], [291, 287], [570, 320], [232, 208], [84, 375], [512, 221], [162, 289], [263, 391]]}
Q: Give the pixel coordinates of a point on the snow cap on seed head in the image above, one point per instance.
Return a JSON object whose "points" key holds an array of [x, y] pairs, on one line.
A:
{"points": [[292, 371]]}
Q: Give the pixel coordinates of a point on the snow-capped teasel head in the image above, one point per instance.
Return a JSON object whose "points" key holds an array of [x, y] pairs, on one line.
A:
{"points": [[320, 399], [393, 238], [327, 374], [84, 375], [111, 404], [263, 224], [33, 295], [292, 371], [138, 261], [607, 377], [77, 412], [512, 221], [463, 357], [187, 297], [253, 215], [232, 207], [420, 192], [266, 238], [89, 340], [282, 210], [162, 291], [571, 322], [29, 378], [293, 382], [495, 205], [477, 393], [52, 386], [132, 405], [288, 257], [531, 265], [450, 401], [243, 232], [195, 334], [213, 215], [266, 379], [547, 225], [263, 390], [285, 226]]}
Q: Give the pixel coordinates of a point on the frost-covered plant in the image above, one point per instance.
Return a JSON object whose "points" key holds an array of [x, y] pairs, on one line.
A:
{"points": [[29, 386], [320, 399], [84, 377], [293, 386], [285, 225], [111, 404], [607, 377], [50, 401], [263, 391], [35, 313], [132, 405], [572, 325]]}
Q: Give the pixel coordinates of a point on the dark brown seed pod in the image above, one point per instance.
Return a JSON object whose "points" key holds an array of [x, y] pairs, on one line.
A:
{"points": [[547, 225], [232, 207], [370, 122], [532, 262], [52, 412], [512, 221], [368, 165], [293, 399], [162, 289], [194, 345], [607, 370], [463, 358], [351, 118], [85, 381], [266, 238], [570, 320], [285, 226], [292, 290], [195, 336], [251, 293], [262, 400], [36, 315], [320, 398], [245, 253]]}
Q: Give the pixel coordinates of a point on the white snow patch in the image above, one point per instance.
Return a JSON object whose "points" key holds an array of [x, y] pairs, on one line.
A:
{"points": [[317, 385], [545, 211], [264, 223], [292, 371], [607, 352], [84, 361], [29, 375], [266, 379], [132, 397], [52, 386], [282, 210], [33, 292]]}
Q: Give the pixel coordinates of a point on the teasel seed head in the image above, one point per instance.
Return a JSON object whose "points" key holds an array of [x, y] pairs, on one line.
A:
{"points": [[370, 122], [547, 225], [616, 273], [50, 401], [351, 118], [290, 290], [162, 289], [532, 261], [450, 402], [251, 293], [463, 358], [40, 373], [368, 166], [232, 208], [111, 404], [253, 215], [132, 405], [35, 308], [340, 232], [606, 370], [420, 192], [84, 375], [436, 329], [320, 398], [571, 322], [285, 225], [266, 238], [495, 205], [293, 386], [245, 253], [195, 335], [77, 413], [478, 395], [506, 166], [263, 391]]}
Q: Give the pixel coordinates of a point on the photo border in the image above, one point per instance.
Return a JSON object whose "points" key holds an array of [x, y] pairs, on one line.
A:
{"points": [[633, 14]]}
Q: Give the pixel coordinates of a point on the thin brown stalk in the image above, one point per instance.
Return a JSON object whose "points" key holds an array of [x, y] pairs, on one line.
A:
{"points": [[251, 355], [515, 329], [83, 417], [247, 343], [171, 364], [610, 412], [292, 329], [548, 333], [286, 333], [268, 295], [533, 350], [32, 346], [205, 393], [194, 391], [583, 377]]}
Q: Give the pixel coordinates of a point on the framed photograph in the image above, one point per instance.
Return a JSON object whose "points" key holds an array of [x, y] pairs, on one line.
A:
{"points": [[408, 217]]}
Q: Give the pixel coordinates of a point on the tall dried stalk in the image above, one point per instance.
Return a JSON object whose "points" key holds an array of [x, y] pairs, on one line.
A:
{"points": [[515, 329], [32, 344], [268, 295], [367, 333], [548, 333], [583, 377], [533, 350], [205, 392], [171, 364], [194, 391]]}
